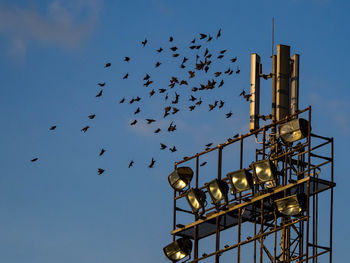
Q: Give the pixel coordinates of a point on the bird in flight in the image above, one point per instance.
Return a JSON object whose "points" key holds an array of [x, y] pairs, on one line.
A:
{"points": [[149, 121], [218, 34], [127, 59], [157, 64], [108, 65], [162, 146], [229, 114], [152, 163], [100, 171], [53, 127], [91, 116], [131, 163], [126, 76], [203, 163], [137, 110], [144, 42], [102, 151], [157, 130], [122, 100], [101, 84], [34, 160], [133, 123], [173, 149], [99, 94], [85, 129], [159, 50]]}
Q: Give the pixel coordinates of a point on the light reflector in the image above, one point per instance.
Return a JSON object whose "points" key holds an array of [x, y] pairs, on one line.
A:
{"points": [[294, 130], [264, 171], [290, 205], [178, 249], [240, 181], [196, 199], [180, 178], [218, 190]]}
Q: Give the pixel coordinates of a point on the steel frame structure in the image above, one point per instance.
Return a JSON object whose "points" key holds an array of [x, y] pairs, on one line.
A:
{"points": [[294, 239]]}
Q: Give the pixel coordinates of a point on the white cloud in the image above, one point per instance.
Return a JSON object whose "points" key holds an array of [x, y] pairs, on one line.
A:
{"points": [[64, 24]]}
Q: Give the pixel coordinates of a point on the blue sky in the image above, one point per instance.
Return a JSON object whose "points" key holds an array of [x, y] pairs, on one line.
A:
{"points": [[52, 57]]}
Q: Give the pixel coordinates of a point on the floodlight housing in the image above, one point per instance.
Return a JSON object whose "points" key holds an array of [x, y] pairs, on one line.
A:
{"points": [[196, 199], [240, 181], [264, 171], [291, 205], [180, 178], [293, 130], [178, 249], [217, 190]]}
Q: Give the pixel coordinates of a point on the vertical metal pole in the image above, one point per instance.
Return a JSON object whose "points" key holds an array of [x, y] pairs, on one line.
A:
{"points": [[331, 212], [294, 85], [239, 210], [174, 210], [195, 252], [261, 229], [254, 92], [217, 243], [308, 188]]}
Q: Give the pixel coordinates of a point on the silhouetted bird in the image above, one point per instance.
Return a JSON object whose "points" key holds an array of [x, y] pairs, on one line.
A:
{"points": [[221, 83], [194, 89], [228, 115], [162, 90], [127, 59], [133, 123], [176, 55], [192, 107], [100, 171], [122, 100], [209, 38], [91, 116], [171, 39], [182, 66], [183, 82], [108, 65], [102, 151], [202, 36], [146, 77], [211, 107], [101, 84], [220, 56], [176, 98], [233, 59], [209, 144], [175, 110], [238, 70], [144, 42], [227, 71], [218, 34], [157, 64], [202, 164], [100, 93], [236, 135], [222, 51], [152, 163], [199, 102], [173, 149], [149, 82], [157, 130], [126, 76], [171, 127], [159, 50], [226, 246], [184, 60], [217, 74], [149, 121], [221, 104], [53, 127], [131, 163], [34, 160], [173, 49], [137, 110], [151, 93], [162, 146], [192, 47], [192, 74], [85, 129], [194, 40]]}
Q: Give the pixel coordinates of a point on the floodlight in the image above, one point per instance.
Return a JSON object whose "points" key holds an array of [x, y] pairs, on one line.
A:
{"points": [[178, 249], [180, 178], [240, 181], [294, 130], [196, 199], [218, 190], [264, 172], [291, 205]]}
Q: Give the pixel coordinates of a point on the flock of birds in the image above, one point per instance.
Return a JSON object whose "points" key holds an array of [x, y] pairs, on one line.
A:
{"points": [[200, 64]]}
